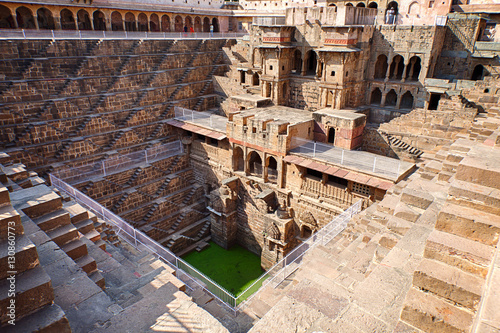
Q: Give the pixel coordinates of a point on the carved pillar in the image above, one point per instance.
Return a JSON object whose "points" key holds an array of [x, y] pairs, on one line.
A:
{"points": [[412, 68], [396, 66], [403, 76], [388, 72], [304, 65], [398, 101], [382, 100]]}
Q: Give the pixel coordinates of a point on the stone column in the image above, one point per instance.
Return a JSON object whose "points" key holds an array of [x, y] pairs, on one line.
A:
{"points": [[412, 68], [324, 97], [382, 100], [388, 72], [14, 17], [304, 63], [324, 72], [396, 66], [35, 18], [279, 168], [398, 101], [57, 23], [319, 63]]}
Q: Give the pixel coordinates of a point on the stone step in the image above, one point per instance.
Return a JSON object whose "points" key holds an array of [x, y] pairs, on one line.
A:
{"points": [[36, 201], [481, 166], [76, 212], [432, 314], [469, 223], [101, 244], [33, 291], [416, 198], [449, 282], [87, 263], [75, 249], [388, 204], [49, 319], [406, 212], [10, 222], [4, 196], [470, 256], [24, 252], [444, 176], [63, 234], [84, 226], [433, 167], [53, 220], [475, 196], [93, 235], [98, 279]]}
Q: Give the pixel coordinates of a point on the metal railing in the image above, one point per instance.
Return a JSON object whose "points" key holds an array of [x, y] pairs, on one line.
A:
{"points": [[101, 34], [201, 118], [269, 21], [119, 163], [274, 276], [360, 160]]}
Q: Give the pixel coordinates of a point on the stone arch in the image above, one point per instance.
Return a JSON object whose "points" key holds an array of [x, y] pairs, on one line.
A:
{"points": [[130, 22], [116, 21], [165, 23], [406, 101], [349, 4], [272, 169], [361, 5], [99, 20], [331, 135], [25, 18], [391, 98], [6, 18], [215, 23], [67, 20], [373, 4], [331, 4], [297, 61], [178, 24], [312, 62], [238, 161], [413, 70], [188, 22], [254, 163], [83, 20], [397, 67], [197, 24], [45, 19], [413, 8], [206, 24], [376, 97], [477, 73], [154, 23], [255, 79], [380, 67], [142, 22], [391, 12]]}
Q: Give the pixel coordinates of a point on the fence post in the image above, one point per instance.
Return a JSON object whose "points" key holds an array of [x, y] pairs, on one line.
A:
{"points": [[80, 33], [146, 155], [314, 149], [52, 31], [103, 169], [342, 160], [104, 33], [24, 34], [126, 36], [399, 165], [374, 163], [135, 239]]}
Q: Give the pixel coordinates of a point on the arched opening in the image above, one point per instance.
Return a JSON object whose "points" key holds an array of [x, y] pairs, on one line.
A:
{"points": [[331, 135], [99, 20], [434, 101], [381, 67], [130, 22], [255, 164], [406, 101], [360, 5], [242, 77], [154, 23], [197, 24], [297, 61], [116, 21], [142, 22], [413, 70], [6, 18], [477, 73], [188, 22], [391, 98], [332, 5], [349, 4], [238, 159], [83, 20], [165, 23], [255, 79], [67, 20], [305, 232], [376, 97], [25, 18], [391, 12], [413, 9], [372, 5], [397, 67], [178, 24], [45, 19], [268, 89], [206, 24], [215, 23], [312, 62], [272, 170]]}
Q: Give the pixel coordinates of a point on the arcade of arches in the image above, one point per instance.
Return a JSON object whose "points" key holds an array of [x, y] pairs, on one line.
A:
{"points": [[51, 18]]}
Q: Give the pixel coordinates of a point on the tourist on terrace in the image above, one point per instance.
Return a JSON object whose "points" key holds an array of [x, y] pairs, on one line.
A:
{"points": [[211, 30]]}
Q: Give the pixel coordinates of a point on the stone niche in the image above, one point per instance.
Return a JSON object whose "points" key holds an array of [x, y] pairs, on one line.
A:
{"points": [[342, 128], [223, 213]]}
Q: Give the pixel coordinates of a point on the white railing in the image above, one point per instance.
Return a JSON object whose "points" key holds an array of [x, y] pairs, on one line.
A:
{"points": [[201, 118], [101, 34], [360, 160], [274, 276], [119, 163], [269, 21], [440, 20]]}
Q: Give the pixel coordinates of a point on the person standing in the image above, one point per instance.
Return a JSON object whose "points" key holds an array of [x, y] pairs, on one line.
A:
{"points": [[211, 30]]}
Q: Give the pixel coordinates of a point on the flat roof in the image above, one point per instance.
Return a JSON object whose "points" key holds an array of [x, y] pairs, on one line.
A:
{"points": [[343, 113], [251, 98], [278, 113]]}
